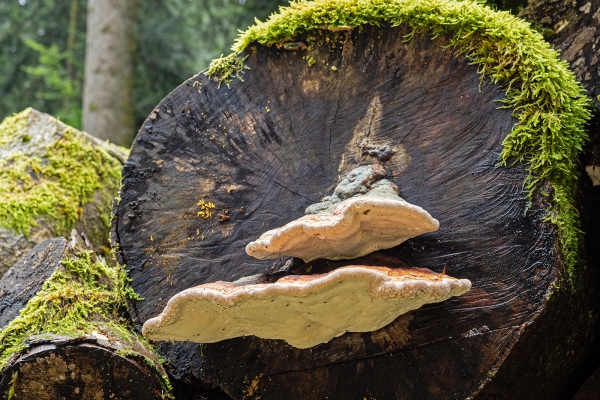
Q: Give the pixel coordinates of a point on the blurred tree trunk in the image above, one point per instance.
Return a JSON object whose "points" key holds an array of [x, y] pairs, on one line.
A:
{"points": [[108, 103]]}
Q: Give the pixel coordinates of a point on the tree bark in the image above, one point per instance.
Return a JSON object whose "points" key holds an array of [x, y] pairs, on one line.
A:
{"points": [[108, 102], [37, 137], [268, 148], [573, 27], [91, 365]]}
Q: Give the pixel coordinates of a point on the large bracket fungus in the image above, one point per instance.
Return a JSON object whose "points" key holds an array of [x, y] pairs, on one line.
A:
{"points": [[304, 310], [365, 214]]}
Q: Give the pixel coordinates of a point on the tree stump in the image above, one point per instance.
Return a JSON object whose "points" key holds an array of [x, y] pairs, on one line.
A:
{"points": [[268, 147], [53, 178], [57, 354]]}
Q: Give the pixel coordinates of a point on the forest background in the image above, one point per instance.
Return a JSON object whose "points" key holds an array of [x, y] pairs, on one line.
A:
{"points": [[43, 43]]}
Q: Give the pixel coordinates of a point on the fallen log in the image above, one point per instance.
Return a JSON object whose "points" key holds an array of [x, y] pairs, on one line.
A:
{"points": [[53, 178], [64, 331], [212, 169]]}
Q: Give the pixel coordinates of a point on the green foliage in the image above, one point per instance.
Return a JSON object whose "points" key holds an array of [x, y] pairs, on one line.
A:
{"points": [[42, 40], [59, 88], [54, 185], [47, 23], [178, 38], [550, 105]]}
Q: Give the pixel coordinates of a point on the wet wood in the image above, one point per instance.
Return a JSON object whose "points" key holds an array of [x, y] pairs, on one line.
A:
{"points": [[90, 366], [278, 142], [55, 368]]}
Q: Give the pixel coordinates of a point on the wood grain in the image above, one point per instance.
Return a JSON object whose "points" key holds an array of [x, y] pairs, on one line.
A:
{"points": [[279, 141]]}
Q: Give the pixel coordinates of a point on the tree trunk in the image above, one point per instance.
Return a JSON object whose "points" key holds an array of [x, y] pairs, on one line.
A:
{"points": [[269, 147], [70, 361], [108, 103], [53, 178]]}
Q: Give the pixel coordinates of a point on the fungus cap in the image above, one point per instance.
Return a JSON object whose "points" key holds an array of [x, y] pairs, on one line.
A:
{"points": [[304, 310], [357, 226]]}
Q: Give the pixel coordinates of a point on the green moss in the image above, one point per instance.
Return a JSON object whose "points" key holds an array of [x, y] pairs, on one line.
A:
{"points": [[550, 105], [55, 184], [13, 382], [11, 127], [224, 69], [82, 296]]}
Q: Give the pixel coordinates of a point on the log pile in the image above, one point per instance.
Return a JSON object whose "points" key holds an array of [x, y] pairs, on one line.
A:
{"points": [[221, 162], [64, 334]]}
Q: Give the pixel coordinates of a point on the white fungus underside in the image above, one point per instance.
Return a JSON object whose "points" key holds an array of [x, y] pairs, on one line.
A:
{"points": [[303, 313], [357, 227]]}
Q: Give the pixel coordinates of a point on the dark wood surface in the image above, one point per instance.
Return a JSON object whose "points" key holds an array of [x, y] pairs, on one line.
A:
{"points": [[280, 140], [26, 277], [70, 369], [574, 29]]}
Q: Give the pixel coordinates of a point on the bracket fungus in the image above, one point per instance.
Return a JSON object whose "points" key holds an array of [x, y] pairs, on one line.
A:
{"points": [[303, 310], [365, 214]]}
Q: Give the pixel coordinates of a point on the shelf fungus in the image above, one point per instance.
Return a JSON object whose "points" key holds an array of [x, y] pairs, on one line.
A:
{"points": [[303, 310], [365, 214]]}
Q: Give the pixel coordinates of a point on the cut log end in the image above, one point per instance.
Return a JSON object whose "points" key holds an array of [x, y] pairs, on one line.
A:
{"points": [[65, 368]]}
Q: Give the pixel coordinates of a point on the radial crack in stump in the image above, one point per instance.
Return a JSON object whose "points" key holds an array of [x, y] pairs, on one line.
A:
{"points": [[303, 310], [365, 214]]}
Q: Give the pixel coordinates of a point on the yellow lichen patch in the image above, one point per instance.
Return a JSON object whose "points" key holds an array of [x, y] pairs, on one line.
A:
{"points": [[207, 209]]}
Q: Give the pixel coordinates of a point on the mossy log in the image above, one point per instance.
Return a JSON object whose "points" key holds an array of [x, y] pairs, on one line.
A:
{"points": [[53, 178], [65, 333], [310, 108]]}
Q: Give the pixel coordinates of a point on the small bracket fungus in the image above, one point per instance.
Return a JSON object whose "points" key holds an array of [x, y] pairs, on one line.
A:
{"points": [[303, 310], [365, 214]]}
